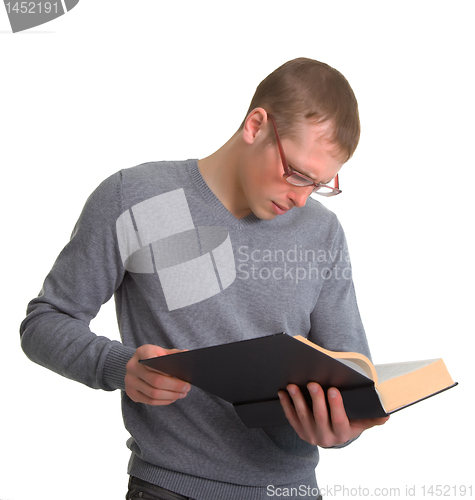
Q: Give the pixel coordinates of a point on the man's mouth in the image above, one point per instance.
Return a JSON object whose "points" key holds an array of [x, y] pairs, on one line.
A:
{"points": [[278, 209]]}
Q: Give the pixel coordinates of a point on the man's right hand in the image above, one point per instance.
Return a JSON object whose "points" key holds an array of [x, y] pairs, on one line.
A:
{"points": [[145, 385]]}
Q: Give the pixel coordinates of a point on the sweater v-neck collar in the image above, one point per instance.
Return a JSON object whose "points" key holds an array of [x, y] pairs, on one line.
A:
{"points": [[214, 201]]}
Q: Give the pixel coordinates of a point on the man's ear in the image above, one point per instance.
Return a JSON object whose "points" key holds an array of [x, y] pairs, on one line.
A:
{"points": [[256, 120]]}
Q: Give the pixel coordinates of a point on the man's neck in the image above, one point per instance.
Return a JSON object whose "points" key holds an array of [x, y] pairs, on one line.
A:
{"points": [[220, 171]]}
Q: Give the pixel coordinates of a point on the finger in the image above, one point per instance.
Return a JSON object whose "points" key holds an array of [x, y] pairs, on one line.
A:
{"points": [[163, 381], [319, 406], [300, 415], [148, 351], [302, 409], [151, 387], [140, 397], [323, 427], [289, 411], [339, 420], [145, 393]]}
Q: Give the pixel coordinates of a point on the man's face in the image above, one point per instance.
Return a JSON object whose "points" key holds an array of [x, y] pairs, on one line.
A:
{"points": [[264, 187]]}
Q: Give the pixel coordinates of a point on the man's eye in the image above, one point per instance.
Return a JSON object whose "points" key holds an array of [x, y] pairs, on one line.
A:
{"points": [[298, 174], [294, 172]]}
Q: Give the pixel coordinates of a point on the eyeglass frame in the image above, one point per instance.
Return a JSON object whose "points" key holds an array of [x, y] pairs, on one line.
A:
{"points": [[289, 171]]}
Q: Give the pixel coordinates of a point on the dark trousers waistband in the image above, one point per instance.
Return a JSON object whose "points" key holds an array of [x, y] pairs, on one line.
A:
{"points": [[147, 491]]}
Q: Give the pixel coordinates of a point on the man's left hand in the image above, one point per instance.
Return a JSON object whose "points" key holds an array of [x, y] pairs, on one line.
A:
{"points": [[322, 427]]}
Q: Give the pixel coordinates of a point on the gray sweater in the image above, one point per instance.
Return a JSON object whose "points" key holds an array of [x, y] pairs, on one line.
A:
{"points": [[187, 274]]}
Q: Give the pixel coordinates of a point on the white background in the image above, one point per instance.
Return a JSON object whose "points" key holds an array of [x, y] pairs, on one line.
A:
{"points": [[113, 84]]}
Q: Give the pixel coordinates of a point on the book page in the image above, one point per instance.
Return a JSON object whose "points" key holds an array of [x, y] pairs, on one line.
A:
{"points": [[392, 370], [355, 360], [354, 365], [405, 383]]}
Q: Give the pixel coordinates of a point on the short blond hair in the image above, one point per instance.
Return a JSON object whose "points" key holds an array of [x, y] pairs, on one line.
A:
{"points": [[305, 89]]}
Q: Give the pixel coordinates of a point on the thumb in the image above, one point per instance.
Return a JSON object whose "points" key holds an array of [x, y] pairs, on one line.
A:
{"points": [[150, 351]]}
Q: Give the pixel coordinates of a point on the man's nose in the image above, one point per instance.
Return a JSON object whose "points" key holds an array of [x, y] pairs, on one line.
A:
{"points": [[300, 196]]}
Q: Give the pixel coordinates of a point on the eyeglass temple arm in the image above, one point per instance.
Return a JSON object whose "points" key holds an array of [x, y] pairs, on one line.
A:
{"points": [[279, 145]]}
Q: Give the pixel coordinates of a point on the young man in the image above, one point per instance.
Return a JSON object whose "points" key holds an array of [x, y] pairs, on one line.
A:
{"points": [[199, 253]]}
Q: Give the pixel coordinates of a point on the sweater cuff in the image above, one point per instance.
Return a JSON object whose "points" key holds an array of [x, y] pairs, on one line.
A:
{"points": [[338, 446], [114, 367]]}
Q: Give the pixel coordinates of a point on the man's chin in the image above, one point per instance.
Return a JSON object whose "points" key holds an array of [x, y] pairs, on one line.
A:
{"points": [[266, 217], [262, 214]]}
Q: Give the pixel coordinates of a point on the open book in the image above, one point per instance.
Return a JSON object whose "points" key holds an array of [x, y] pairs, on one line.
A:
{"points": [[249, 374], [397, 384]]}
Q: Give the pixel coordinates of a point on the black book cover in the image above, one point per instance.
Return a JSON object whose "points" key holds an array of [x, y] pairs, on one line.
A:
{"points": [[249, 374]]}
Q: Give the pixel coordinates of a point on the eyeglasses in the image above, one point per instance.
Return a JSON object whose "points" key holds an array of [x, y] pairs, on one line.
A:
{"points": [[297, 179]]}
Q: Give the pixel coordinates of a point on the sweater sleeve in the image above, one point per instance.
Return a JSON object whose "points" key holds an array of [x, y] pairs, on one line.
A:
{"points": [[335, 322], [55, 332]]}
